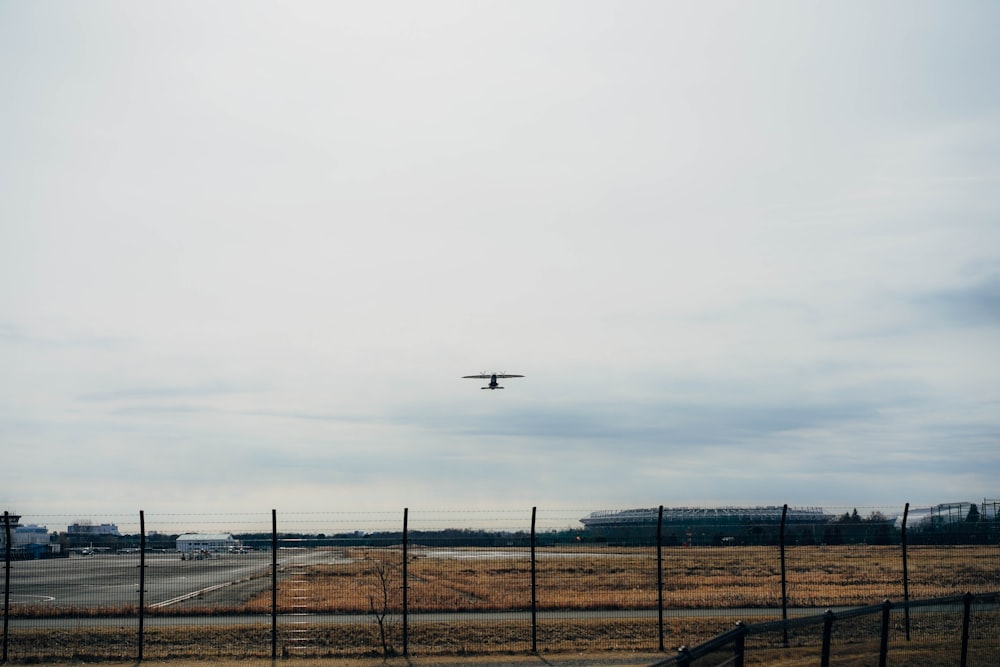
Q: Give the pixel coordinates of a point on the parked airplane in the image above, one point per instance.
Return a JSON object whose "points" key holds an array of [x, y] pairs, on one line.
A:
{"points": [[492, 378], [89, 550]]}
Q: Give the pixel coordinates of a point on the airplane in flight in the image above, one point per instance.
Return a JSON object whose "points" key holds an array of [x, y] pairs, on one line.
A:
{"points": [[492, 378]]}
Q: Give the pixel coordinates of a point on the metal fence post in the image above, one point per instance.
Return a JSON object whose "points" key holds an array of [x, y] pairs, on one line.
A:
{"points": [[534, 589], [784, 578], [142, 582], [739, 645], [906, 574], [883, 649], [659, 574], [824, 657], [966, 615], [406, 619], [6, 580], [274, 584]]}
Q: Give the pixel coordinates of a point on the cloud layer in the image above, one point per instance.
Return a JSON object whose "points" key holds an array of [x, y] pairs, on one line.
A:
{"points": [[742, 254]]}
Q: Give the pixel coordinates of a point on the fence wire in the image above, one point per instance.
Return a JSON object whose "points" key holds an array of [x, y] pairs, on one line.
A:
{"points": [[423, 582]]}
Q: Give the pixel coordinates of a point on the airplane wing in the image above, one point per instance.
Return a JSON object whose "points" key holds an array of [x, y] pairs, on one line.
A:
{"points": [[481, 376], [507, 376]]}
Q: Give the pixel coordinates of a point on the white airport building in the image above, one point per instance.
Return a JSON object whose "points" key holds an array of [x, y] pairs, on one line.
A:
{"points": [[85, 529], [213, 542], [30, 534]]}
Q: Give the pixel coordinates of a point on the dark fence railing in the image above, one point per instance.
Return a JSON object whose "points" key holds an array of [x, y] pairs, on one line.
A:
{"points": [[358, 584], [730, 648]]}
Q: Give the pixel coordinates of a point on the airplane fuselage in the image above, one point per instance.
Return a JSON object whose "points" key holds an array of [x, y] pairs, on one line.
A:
{"points": [[493, 379]]}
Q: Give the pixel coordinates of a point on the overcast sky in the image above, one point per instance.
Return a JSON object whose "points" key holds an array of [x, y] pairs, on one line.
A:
{"points": [[743, 253]]}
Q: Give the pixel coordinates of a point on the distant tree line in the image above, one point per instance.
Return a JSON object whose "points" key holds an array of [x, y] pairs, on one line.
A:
{"points": [[848, 528]]}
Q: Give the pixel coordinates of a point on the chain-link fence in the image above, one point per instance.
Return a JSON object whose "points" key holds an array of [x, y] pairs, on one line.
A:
{"points": [[420, 582]]}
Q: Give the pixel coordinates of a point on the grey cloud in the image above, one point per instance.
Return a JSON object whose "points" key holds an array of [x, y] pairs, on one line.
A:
{"points": [[165, 392], [309, 416], [160, 409], [13, 334], [650, 423], [954, 433], [977, 304]]}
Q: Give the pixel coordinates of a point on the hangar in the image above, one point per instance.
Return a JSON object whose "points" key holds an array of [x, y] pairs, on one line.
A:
{"points": [[701, 525], [214, 542]]}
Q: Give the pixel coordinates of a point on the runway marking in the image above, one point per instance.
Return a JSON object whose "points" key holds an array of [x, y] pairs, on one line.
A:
{"points": [[37, 598], [188, 596]]}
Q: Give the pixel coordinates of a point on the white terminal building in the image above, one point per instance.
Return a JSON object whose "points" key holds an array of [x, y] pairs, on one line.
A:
{"points": [[216, 542], [86, 529], [30, 534]]}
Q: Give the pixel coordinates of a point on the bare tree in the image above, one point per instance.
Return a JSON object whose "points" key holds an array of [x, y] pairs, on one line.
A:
{"points": [[381, 600]]}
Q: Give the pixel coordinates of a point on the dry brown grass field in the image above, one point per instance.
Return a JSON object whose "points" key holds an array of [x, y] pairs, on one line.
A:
{"points": [[934, 642], [740, 579], [695, 578]]}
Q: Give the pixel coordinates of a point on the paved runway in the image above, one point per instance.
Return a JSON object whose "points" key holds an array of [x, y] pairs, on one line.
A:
{"points": [[112, 580]]}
